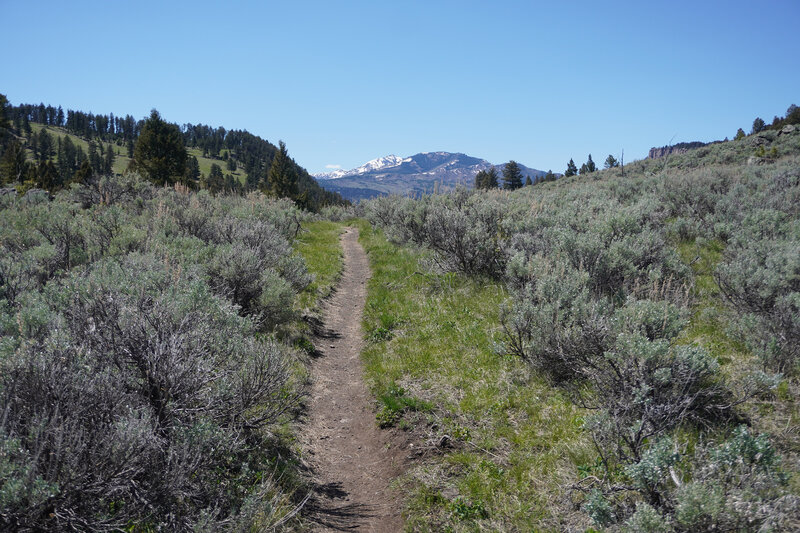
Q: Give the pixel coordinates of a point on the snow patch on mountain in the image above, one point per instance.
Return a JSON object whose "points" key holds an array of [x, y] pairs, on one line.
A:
{"points": [[418, 174], [380, 163]]}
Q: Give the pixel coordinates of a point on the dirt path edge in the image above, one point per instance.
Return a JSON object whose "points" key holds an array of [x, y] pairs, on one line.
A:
{"points": [[351, 460]]}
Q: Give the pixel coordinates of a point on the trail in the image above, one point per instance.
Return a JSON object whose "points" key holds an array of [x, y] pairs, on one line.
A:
{"points": [[351, 459]]}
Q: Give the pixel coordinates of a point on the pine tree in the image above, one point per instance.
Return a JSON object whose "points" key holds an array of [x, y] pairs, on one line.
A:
{"points": [[793, 115], [45, 145], [528, 181], [571, 169], [512, 176], [95, 160], [282, 178], [48, 175], [108, 163], [758, 125], [5, 123], [216, 181], [492, 178], [486, 179], [12, 164], [740, 134], [192, 171], [611, 162], [84, 172], [590, 166], [230, 183], [159, 152], [480, 179]]}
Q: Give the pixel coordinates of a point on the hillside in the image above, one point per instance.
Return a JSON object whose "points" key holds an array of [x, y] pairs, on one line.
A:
{"points": [[421, 173], [56, 145], [603, 352], [121, 159]]}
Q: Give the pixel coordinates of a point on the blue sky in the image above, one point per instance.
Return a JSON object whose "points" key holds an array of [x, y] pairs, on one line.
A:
{"points": [[345, 82]]}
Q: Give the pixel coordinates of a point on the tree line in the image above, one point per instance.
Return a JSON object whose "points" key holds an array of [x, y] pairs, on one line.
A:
{"points": [[511, 177], [792, 117]]}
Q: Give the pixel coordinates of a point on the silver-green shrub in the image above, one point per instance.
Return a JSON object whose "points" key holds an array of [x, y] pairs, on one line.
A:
{"points": [[141, 397], [463, 228], [136, 387]]}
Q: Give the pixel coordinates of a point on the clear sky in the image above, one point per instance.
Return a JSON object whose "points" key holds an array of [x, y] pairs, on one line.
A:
{"points": [[345, 82]]}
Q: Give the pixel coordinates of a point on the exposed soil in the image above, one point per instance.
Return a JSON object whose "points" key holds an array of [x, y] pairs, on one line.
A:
{"points": [[352, 461]]}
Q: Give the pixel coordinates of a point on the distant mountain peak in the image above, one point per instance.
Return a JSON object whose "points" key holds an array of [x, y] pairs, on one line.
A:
{"points": [[379, 163], [419, 173]]}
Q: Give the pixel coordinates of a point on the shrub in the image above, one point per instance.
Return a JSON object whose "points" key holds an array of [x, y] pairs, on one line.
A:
{"points": [[553, 321], [143, 400], [132, 394], [643, 389], [646, 520], [734, 485], [760, 277], [464, 229]]}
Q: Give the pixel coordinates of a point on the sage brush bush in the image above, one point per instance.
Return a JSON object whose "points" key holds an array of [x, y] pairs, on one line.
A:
{"points": [[736, 484], [463, 229], [137, 385]]}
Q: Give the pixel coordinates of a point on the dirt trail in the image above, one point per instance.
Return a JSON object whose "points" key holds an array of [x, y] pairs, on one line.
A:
{"points": [[351, 459]]}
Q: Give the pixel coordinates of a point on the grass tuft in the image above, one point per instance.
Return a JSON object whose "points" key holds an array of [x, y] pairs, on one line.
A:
{"points": [[318, 244]]}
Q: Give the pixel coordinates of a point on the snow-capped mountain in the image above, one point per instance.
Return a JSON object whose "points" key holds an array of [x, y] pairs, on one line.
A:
{"points": [[369, 166], [420, 173]]}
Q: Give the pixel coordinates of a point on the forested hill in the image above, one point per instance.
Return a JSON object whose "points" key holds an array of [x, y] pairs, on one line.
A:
{"points": [[47, 147]]}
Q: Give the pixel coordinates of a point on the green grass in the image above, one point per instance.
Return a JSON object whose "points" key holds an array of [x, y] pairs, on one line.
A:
{"points": [[433, 362], [709, 322], [121, 159], [318, 244], [205, 165]]}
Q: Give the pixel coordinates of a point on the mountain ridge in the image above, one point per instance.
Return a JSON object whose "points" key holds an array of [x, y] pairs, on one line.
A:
{"points": [[420, 173]]}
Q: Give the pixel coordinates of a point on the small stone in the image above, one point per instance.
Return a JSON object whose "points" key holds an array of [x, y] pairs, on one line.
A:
{"points": [[451, 493]]}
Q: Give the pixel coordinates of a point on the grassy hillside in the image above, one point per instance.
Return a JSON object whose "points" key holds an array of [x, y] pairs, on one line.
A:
{"points": [[542, 340], [121, 159]]}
